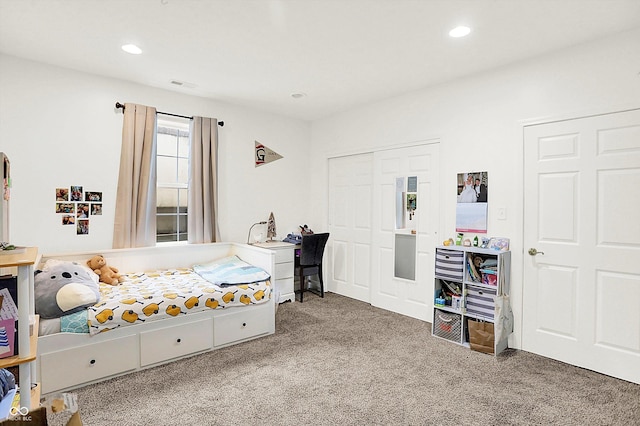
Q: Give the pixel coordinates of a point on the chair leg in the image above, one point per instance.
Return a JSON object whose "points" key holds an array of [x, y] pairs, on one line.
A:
{"points": [[301, 286], [321, 282]]}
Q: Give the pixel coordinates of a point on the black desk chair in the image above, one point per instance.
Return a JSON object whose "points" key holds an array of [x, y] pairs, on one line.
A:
{"points": [[310, 261]]}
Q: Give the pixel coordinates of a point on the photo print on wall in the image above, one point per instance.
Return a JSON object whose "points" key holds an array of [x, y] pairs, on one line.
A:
{"points": [[472, 197], [77, 206]]}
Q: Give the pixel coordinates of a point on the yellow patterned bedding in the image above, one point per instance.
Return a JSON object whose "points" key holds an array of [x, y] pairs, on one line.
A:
{"points": [[155, 295]]}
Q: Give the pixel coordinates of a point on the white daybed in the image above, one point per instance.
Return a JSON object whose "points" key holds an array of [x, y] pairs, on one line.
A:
{"points": [[71, 360]]}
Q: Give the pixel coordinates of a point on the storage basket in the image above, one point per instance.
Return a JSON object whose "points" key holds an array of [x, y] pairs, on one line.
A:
{"points": [[481, 301], [449, 264], [447, 326]]}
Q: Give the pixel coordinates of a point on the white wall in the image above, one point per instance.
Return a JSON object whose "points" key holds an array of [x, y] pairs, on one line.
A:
{"points": [[60, 127], [479, 122]]}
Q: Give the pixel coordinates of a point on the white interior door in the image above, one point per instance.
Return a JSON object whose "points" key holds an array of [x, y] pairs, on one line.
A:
{"points": [[409, 297], [581, 298], [350, 186]]}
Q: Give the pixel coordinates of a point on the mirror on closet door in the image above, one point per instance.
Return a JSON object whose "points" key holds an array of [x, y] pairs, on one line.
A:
{"points": [[406, 204], [405, 257]]}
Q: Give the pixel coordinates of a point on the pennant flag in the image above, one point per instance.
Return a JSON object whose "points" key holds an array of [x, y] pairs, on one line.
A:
{"points": [[265, 155]]}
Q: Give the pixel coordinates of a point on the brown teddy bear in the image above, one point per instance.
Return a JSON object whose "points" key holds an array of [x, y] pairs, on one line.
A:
{"points": [[107, 274]]}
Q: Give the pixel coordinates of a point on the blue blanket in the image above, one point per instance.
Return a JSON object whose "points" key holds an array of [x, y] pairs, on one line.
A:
{"points": [[230, 271]]}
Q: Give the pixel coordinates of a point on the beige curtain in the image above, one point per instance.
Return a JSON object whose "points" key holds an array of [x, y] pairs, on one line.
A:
{"points": [[135, 218], [202, 208]]}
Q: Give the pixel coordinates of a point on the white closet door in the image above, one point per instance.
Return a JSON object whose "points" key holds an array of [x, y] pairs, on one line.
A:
{"points": [[350, 191], [581, 298], [409, 297]]}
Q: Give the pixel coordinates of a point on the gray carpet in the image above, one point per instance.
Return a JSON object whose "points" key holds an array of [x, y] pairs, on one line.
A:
{"points": [[339, 361]]}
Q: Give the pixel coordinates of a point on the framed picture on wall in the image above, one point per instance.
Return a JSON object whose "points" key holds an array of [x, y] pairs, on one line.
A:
{"points": [[472, 202]]}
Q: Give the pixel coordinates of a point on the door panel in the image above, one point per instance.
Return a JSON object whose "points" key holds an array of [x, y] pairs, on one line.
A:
{"points": [[350, 197], [408, 297], [581, 298]]}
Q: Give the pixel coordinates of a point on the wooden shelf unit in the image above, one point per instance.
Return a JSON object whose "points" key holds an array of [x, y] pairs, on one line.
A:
{"points": [[24, 261], [33, 350]]}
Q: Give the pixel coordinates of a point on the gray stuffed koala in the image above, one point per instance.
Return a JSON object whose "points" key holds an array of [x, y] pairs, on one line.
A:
{"points": [[64, 288]]}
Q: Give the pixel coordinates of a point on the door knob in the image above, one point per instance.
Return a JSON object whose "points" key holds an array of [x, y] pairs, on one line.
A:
{"points": [[533, 252]]}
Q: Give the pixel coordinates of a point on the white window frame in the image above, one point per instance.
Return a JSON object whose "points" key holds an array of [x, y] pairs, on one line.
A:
{"points": [[182, 125]]}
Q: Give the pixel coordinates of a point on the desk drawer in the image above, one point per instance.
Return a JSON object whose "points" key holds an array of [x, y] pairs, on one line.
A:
{"points": [[284, 255], [284, 270]]}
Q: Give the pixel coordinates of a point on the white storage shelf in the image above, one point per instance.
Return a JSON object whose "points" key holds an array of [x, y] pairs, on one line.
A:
{"points": [[473, 274]]}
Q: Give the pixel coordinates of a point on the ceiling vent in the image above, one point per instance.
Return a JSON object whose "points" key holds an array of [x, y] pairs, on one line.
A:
{"points": [[182, 84]]}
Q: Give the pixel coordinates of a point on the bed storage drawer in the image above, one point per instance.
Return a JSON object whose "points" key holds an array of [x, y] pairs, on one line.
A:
{"points": [[71, 367], [173, 342], [241, 323]]}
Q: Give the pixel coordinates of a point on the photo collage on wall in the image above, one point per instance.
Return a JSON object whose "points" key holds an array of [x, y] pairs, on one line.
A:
{"points": [[76, 207]]}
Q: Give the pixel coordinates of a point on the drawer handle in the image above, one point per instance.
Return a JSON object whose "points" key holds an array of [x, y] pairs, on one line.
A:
{"points": [[179, 340], [244, 324], [93, 361]]}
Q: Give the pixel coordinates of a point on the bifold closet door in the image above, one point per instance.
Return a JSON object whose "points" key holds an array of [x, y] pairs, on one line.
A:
{"points": [[412, 297], [349, 246]]}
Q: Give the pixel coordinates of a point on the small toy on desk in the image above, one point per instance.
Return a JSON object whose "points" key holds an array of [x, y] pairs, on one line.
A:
{"points": [[293, 238], [271, 227], [108, 274], [448, 242], [304, 230]]}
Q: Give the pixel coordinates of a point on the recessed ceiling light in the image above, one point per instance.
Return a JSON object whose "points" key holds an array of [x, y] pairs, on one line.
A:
{"points": [[460, 31], [298, 95], [132, 48]]}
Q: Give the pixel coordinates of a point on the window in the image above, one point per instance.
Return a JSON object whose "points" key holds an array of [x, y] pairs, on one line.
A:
{"points": [[173, 179]]}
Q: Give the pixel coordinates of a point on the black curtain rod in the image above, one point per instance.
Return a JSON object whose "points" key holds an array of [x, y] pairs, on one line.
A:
{"points": [[119, 105]]}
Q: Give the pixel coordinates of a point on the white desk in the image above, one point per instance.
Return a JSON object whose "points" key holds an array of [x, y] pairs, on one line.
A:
{"points": [[285, 264]]}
